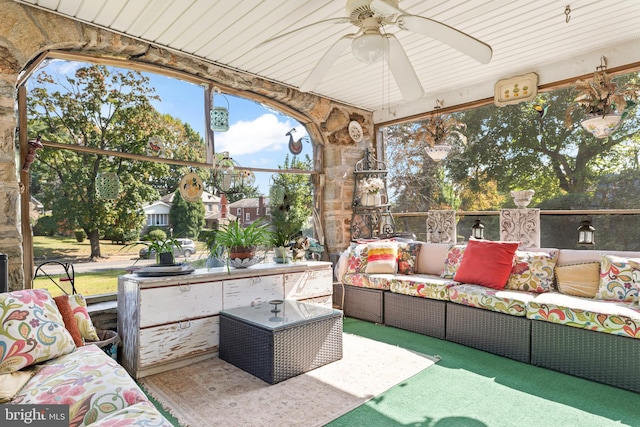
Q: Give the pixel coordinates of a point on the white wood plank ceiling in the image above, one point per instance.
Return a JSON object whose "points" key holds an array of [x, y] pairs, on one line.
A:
{"points": [[526, 36]]}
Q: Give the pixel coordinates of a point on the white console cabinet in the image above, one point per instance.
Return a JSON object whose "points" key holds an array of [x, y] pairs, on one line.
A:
{"points": [[172, 321]]}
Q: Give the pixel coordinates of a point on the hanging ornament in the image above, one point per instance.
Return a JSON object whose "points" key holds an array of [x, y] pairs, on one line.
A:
{"points": [[295, 147], [355, 131], [154, 146], [107, 185], [219, 115], [191, 187]]}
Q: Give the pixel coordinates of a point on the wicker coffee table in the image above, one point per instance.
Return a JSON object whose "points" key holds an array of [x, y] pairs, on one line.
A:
{"points": [[281, 339]]}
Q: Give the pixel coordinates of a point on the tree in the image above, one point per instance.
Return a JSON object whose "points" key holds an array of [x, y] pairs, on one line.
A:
{"points": [[103, 108], [290, 196], [187, 219], [515, 148]]}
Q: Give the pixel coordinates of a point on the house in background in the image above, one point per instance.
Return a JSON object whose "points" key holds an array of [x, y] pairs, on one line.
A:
{"points": [[157, 213], [251, 209], [36, 209]]}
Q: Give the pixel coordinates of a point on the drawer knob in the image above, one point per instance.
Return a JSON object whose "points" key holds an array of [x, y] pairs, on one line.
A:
{"points": [[185, 287]]}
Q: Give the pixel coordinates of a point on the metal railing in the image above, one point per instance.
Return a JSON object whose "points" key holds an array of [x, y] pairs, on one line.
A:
{"points": [[615, 229]]}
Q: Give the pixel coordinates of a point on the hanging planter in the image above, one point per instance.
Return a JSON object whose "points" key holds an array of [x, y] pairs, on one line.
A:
{"points": [[602, 126], [603, 102], [219, 115], [107, 185]]}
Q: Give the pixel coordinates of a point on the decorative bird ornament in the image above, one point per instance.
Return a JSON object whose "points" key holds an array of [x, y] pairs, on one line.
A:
{"points": [[295, 147]]}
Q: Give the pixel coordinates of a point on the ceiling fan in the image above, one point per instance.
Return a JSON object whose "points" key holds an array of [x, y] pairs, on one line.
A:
{"points": [[370, 42]]}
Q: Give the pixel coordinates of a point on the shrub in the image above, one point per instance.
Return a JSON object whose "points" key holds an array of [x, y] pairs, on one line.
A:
{"points": [[80, 235], [46, 226], [156, 235]]}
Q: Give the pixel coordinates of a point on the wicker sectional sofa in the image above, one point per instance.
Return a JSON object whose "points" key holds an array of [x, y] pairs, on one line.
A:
{"points": [[40, 364], [545, 315]]}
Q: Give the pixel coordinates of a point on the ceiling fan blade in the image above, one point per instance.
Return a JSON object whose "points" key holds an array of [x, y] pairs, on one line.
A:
{"points": [[463, 42], [342, 20], [402, 70], [325, 63], [384, 8]]}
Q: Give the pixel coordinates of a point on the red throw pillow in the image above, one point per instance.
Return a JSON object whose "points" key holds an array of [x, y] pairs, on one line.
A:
{"points": [[69, 321], [487, 263]]}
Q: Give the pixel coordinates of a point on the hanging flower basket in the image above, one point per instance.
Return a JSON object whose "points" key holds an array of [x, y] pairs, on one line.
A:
{"points": [[602, 126], [107, 185]]}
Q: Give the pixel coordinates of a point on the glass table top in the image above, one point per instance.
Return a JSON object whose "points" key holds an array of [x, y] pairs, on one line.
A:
{"points": [[277, 314]]}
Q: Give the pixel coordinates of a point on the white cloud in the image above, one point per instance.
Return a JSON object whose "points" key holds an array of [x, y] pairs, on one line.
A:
{"points": [[265, 133]]}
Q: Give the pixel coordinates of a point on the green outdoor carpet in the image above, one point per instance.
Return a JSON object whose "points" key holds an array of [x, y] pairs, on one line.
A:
{"points": [[469, 387]]}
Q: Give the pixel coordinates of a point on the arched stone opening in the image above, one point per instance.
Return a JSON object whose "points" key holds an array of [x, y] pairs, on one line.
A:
{"points": [[26, 33]]}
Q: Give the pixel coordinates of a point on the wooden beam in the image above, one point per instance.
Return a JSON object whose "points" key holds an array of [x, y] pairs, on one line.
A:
{"points": [[143, 158], [25, 177]]}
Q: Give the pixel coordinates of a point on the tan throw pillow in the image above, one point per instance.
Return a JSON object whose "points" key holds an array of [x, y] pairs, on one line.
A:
{"points": [[581, 280], [12, 383]]}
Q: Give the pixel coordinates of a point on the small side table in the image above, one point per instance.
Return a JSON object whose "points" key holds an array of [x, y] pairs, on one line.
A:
{"points": [[278, 340]]}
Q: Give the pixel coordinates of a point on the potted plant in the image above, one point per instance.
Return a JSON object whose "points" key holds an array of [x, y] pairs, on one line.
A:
{"points": [[241, 242], [370, 191], [603, 102], [281, 239], [162, 249]]}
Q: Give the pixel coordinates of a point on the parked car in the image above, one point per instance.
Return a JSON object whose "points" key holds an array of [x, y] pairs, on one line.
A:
{"points": [[188, 248]]}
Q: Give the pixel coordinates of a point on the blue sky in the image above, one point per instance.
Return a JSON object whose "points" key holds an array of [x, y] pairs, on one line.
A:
{"points": [[256, 135]]}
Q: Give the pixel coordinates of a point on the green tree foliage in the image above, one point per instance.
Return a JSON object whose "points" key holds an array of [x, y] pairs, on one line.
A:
{"points": [[510, 148], [290, 197], [186, 218], [103, 108]]}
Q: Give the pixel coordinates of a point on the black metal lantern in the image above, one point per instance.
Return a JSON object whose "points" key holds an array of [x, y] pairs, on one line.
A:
{"points": [[586, 233], [477, 230]]}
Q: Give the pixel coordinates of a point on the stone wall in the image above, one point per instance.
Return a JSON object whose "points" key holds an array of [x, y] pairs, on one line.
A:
{"points": [[26, 32]]}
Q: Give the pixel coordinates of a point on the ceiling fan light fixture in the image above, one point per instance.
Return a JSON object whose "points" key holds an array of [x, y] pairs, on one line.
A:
{"points": [[368, 48]]}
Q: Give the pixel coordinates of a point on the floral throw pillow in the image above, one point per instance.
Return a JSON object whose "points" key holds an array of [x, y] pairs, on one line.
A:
{"points": [[357, 260], [31, 330], [533, 271], [79, 308], [617, 279], [452, 262], [407, 257]]}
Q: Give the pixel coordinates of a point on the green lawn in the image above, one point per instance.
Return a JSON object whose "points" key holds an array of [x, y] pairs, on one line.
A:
{"points": [[103, 282], [68, 249]]}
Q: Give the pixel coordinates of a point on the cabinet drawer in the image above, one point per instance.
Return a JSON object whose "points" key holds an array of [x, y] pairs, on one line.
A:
{"points": [[324, 301], [308, 284], [187, 338], [252, 290], [173, 303]]}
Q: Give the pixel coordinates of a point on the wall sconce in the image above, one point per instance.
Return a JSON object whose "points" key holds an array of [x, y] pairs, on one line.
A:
{"points": [[477, 230], [586, 233]]}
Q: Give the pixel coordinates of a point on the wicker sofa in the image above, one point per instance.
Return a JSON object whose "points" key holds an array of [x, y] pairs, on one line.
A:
{"points": [[41, 364], [536, 318]]}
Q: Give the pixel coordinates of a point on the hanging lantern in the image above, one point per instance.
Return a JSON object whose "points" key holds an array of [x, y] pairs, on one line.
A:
{"points": [[477, 230], [191, 187], [219, 115], [586, 233], [107, 185]]}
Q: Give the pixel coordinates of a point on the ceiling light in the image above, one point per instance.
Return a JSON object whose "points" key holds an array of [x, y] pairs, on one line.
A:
{"points": [[368, 48]]}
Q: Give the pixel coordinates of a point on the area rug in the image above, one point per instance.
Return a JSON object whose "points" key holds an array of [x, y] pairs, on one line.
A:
{"points": [[215, 393]]}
